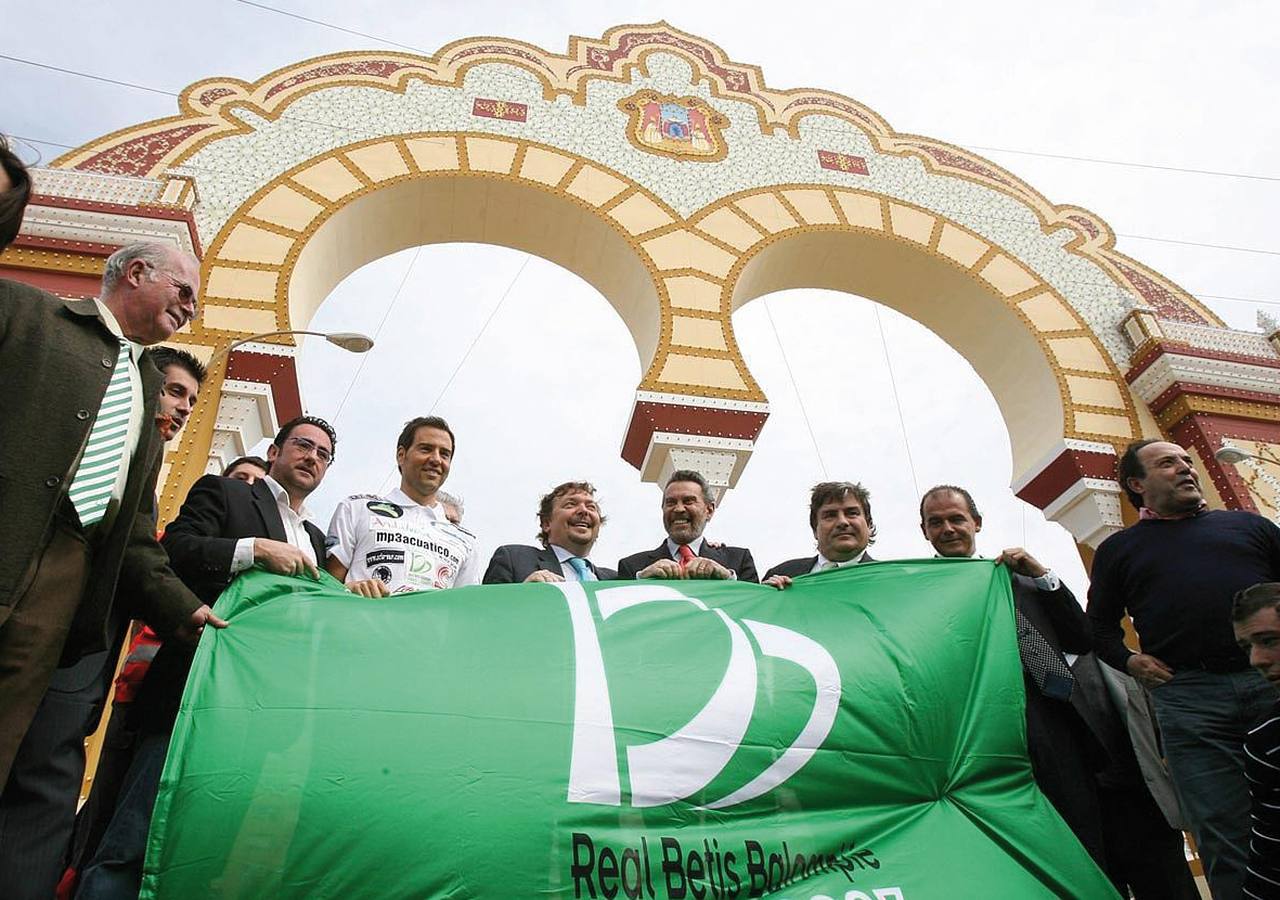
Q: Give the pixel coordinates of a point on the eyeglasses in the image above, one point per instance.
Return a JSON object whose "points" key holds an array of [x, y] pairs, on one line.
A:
{"points": [[308, 446], [186, 293]]}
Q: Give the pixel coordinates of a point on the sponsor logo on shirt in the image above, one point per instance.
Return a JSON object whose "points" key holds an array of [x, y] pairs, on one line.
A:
{"points": [[385, 508]]}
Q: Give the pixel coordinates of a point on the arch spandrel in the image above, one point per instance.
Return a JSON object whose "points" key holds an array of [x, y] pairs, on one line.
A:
{"points": [[731, 190]]}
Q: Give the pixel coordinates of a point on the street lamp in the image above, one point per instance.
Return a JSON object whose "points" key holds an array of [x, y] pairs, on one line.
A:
{"points": [[347, 340], [1234, 455]]}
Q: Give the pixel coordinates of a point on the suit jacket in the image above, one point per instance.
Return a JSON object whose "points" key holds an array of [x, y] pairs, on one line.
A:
{"points": [[1126, 698], [793, 568], [56, 358], [513, 563], [1065, 751], [736, 558], [201, 543]]}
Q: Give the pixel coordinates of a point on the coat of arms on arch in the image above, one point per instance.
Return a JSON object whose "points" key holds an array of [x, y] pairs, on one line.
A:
{"points": [[683, 127]]}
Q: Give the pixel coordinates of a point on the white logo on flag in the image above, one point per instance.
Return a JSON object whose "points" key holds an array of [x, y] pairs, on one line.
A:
{"points": [[683, 763]]}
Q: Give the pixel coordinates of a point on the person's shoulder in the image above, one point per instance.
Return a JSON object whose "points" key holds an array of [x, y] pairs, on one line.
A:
{"points": [[20, 292], [641, 554], [515, 549], [457, 530], [792, 567]]}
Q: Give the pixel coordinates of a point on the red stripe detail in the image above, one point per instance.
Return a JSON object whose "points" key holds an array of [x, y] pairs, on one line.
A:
{"points": [[1066, 469], [649, 417], [64, 284], [278, 371], [140, 211], [1177, 349], [1181, 388]]}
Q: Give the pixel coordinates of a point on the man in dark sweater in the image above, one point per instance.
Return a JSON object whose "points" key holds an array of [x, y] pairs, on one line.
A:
{"points": [[1256, 620], [1175, 573]]}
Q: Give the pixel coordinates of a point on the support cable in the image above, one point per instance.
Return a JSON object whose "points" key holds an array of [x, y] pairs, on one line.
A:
{"points": [[897, 399], [795, 388], [364, 357]]}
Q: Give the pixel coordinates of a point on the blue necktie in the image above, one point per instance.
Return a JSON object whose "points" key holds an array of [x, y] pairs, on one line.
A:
{"points": [[580, 566]]}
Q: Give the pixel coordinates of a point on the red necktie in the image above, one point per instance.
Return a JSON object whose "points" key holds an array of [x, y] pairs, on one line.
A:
{"points": [[685, 554]]}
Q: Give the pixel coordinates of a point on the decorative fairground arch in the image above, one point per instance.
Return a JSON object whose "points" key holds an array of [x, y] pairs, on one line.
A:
{"points": [[682, 187]]}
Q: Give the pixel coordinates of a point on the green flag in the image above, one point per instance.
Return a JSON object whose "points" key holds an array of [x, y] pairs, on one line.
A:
{"points": [[859, 736]]}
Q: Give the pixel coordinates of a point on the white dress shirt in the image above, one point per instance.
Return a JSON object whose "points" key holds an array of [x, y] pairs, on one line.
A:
{"points": [[822, 563], [294, 531], [563, 556]]}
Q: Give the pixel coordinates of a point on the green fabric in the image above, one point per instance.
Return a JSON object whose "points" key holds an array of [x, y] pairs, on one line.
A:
{"points": [[425, 745]]}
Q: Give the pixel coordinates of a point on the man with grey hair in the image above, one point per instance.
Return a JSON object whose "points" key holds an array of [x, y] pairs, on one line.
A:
{"points": [[453, 507], [81, 457]]}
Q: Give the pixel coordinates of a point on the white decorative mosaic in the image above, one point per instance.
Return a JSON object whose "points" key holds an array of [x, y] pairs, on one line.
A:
{"points": [[230, 169], [1223, 340]]}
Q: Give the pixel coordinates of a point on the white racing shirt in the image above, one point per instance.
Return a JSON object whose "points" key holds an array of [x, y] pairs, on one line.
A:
{"points": [[406, 546]]}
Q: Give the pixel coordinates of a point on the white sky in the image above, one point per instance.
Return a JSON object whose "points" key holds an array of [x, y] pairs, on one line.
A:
{"points": [[544, 394]]}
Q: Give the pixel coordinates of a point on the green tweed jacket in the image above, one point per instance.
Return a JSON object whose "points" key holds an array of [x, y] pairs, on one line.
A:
{"points": [[56, 357]]}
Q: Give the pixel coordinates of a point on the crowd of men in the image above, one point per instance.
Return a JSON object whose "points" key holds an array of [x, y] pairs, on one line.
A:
{"points": [[1129, 747]]}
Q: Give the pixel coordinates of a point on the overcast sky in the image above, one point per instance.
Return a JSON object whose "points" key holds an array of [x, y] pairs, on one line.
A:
{"points": [[535, 370]]}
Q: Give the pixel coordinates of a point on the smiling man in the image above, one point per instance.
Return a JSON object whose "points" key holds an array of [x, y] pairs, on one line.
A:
{"points": [[1175, 573], [569, 521], [687, 508], [405, 541], [840, 518]]}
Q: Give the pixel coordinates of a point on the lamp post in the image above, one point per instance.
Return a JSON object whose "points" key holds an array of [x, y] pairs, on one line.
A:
{"points": [[350, 341], [1234, 455]]}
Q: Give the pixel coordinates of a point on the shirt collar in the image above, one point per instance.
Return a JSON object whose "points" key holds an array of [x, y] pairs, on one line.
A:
{"points": [[563, 555], [1149, 515], [673, 549], [822, 560], [400, 497], [282, 497], [113, 325]]}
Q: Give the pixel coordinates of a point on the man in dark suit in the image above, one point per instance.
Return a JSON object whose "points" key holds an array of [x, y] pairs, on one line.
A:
{"points": [[225, 527], [80, 457], [1065, 753], [840, 517], [569, 521], [687, 507]]}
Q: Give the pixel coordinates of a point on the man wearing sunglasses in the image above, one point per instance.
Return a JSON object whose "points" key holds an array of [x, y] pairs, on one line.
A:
{"points": [[225, 527]]}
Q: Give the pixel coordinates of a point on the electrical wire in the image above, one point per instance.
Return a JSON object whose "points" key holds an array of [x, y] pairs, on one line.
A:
{"points": [[897, 399], [795, 389], [364, 357]]}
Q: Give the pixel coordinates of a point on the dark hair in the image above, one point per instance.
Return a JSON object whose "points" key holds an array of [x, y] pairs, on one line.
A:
{"points": [[1131, 467], [549, 499], [696, 478], [13, 202], [950, 489], [164, 357], [405, 441], [825, 492], [287, 428], [247, 460], [1255, 598]]}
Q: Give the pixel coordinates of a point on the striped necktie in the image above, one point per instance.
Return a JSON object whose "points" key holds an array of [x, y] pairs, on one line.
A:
{"points": [[96, 478]]}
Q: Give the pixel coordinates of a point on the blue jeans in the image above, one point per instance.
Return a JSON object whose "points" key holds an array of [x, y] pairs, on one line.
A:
{"points": [[115, 873], [1204, 717]]}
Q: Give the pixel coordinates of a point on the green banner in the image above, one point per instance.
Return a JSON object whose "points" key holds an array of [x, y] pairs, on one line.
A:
{"points": [[859, 736]]}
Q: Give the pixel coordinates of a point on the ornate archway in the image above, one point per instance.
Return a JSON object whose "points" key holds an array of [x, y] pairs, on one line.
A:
{"points": [[681, 186]]}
